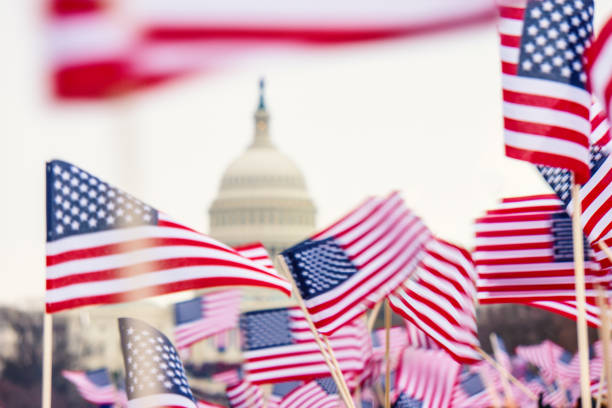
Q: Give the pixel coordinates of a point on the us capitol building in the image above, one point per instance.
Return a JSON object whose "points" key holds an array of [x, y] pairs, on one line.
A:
{"points": [[262, 198]]}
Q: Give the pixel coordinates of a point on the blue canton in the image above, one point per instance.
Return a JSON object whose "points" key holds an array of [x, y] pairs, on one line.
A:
{"points": [[284, 388], [318, 266], [99, 377], [266, 328], [555, 35], [563, 241], [472, 384], [152, 364], [566, 357], [80, 203], [328, 385], [405, 401], [188, 311]]}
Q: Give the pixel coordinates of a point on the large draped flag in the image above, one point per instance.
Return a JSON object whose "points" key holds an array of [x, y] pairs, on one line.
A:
{"points": [[205, 316], [155, 376], [425, 379], [599, 66], [94, 386], [105, 246], [440, 299], [101, 49], [525, 253], [545, 103], [357, 261], [279, 347]]}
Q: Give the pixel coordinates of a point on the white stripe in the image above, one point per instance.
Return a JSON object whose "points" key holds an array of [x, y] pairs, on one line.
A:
{"points": [[547, 116], [153, 279], [510, 225], [528, 267], [354, 218], [509, 54], [510, 26], [512, 254], [546, 88], [546, 144], [510, 240], [529, 281], [531, 202]]}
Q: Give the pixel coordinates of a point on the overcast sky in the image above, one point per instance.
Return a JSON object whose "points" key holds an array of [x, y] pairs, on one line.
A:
{"points": [[419, 115]]}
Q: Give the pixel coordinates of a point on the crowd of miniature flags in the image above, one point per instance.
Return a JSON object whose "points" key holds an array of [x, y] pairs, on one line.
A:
{"points": [[105, 246]]}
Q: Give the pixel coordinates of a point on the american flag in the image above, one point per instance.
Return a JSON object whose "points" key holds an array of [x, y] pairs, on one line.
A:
{"points": [[502, 356], [319, 393], [599, 66], [279, 391], [154, 372], [205, 316], [440, 300], [105, 246], [94, 385], [425, 379], [397, 342], [595, 197], [546, 105], [355, 262], [524, 257], [257, 253], [245, 395], [545, 357], [100, 49], [206, 404], [278, 347], [470, 391]]}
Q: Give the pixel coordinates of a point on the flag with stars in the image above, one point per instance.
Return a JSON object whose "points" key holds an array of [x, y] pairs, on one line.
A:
{"points": [[105, 246], [278, 347], [155, 376], [595, 196], [94, 386], [470, 391], [357, 261], [545, 103]]}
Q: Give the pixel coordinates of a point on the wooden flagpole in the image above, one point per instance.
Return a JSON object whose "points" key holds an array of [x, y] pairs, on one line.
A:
{"points": [[491, 390], [336, 375], [387, 352], [374, 315], [346, 390], [600, 390], [507, 390], [47, 360], [604, 336], [506, 373], [581, 325]]}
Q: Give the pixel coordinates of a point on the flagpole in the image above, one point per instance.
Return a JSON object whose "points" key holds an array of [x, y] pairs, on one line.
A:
{"points": [[581, 325], [604, 335], [387, 359], [505, 372], [346, 390], [374, 315], [47, 359], [337, 376], [491, 390], [496, 353]]}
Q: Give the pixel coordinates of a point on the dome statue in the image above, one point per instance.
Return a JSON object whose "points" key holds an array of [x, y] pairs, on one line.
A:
{"points": [[262, 196]]}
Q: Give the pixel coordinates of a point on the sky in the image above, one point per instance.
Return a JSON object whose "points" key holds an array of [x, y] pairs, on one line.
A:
{"points": [[420, 115]]}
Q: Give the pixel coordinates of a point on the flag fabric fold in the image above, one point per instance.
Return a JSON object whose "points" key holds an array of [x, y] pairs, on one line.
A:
{"points": [[599, 66], [154, 372], [94, 386], [357, 261], [440, 299], [105, 246]]}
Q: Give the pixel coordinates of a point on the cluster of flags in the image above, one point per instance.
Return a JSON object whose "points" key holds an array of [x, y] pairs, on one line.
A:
{"points": [[105, 246]]}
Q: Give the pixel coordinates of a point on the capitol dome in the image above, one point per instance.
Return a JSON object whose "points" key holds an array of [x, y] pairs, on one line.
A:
{"points": [[262, 196]]}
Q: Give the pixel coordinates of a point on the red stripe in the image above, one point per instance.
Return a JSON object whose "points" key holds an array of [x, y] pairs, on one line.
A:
{"points": [[92, 80], [71, 7], [128, 246], [533, 287], [513, 247], [515, 261], [515, 13], [593, 52], [307, 34], [139, 269], [581, 170], [157, 290], [548, 102], [500, 276], [514, 218], [535, 296], [529, 198], [553, 132], [543, 208], [510, 40], [596, 191], [513, 233]]}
